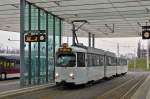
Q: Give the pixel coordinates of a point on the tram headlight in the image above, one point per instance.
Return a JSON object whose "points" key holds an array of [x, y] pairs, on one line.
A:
{"points": [[71, 75], [56, 75]]}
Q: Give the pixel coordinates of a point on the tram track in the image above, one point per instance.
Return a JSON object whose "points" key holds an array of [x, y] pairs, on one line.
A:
{"points": [[125, 90], [128, 94]]}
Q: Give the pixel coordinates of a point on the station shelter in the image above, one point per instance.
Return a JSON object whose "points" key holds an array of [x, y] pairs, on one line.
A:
{"points": [[38, 56]]}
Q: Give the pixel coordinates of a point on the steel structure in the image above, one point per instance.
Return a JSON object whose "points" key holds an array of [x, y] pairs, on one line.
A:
{"points": [[125, 15]]}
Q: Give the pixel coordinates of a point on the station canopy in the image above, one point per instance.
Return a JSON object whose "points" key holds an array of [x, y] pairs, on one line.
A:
{"points": [[106, 18]]}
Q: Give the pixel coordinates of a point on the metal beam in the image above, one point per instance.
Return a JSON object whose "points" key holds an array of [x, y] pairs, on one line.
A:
{"points": [[98, 8], [100, 15], [88, 4], [29, 54], [95, 12], [47, 22], [39, 60], [89, 39], [22, 63], [93, 40], [111, 29], [54, 45], [103, 19]]}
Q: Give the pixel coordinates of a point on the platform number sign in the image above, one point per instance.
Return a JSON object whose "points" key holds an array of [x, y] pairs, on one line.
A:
{"points": [[146, 34]]}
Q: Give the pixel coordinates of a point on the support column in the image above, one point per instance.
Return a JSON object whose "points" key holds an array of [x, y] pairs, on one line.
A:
{"points": [[22, 13], [147, 54], [46, 47], [60, 30], [29, 68], [54, 45], [39, 62], [89, 39], [93, 40], [73, 34]]}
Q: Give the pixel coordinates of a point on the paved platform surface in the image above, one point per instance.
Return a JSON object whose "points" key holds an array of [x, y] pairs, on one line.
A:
{"points": [[143, 91], [10, 84], [115, 86]]}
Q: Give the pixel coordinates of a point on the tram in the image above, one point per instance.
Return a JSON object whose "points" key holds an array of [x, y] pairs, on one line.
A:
{"points": [[80, 65]]}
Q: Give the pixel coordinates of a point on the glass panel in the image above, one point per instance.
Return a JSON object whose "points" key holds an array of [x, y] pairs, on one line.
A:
{"points": [[50, 47], [26, 18], [42, 48], [57, 33], [34, 45]]}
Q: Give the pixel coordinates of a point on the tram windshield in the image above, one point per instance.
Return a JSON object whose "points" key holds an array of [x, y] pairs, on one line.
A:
{"points": [[66, 60]]}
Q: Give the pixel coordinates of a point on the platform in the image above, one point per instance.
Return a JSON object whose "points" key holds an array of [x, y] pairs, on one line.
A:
{"points": [[9, 85], [143, 91], [12, 87], [112, 88]]}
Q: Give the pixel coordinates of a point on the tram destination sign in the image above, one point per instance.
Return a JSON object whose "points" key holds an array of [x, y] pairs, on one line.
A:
{"points": [[35, 38]]}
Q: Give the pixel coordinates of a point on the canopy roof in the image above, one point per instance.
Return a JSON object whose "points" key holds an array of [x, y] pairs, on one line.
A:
{"points": [[127, 15]]}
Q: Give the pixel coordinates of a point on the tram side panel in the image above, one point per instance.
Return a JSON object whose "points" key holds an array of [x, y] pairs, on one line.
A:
{"points": [[95, 64], [95, 73], [125, 67], [110, 66], [119, 69], [122, 66], [81, 69]]}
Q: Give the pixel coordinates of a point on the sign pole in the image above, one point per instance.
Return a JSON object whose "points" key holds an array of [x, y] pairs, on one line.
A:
{"points": [[147, 54], [134, 59]]}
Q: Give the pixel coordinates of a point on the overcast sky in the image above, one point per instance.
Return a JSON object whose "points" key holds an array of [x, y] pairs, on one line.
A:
{"points": [[126, 45], [4, 35]]}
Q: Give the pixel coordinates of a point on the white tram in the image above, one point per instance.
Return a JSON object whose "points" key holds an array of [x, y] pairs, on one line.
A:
{"points": [[80, 65]]}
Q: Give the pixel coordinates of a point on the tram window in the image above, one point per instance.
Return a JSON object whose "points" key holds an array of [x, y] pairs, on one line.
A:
{"points": [[113, 61], [17, 62], [93, 60], [80, 59], [117, 62], [107, 61], [4, 64], [66, 60], [110, 61], [124, 62], [121, 62], [7, 64], [89, 57], [97, 60], [12, 64], [101, 60]]}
